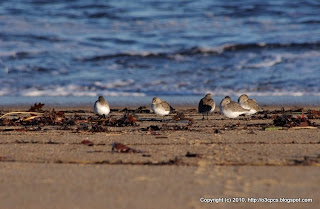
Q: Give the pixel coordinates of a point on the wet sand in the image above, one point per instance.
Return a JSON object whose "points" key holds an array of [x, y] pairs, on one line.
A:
{"points": [[177, 162]]}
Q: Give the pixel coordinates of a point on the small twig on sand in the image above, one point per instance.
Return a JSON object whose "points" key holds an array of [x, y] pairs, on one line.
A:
{"points": [[11, 113]]}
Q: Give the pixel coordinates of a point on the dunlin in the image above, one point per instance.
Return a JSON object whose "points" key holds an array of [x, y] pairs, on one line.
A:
{"points": [[160, 107], [101, 107], [206, 105], [231, 109], [249, 104]]}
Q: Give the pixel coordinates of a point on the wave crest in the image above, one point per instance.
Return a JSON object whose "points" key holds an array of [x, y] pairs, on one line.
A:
{"points": [[203, 51]]}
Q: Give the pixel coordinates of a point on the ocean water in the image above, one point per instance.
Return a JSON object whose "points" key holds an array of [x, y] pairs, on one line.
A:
{"points": [[129, 51]]}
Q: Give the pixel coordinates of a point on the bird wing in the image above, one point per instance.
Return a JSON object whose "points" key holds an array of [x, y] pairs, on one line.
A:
{"points": [[254, 104], [209, 102], [237, 107], [205, 105], [166, 106]]}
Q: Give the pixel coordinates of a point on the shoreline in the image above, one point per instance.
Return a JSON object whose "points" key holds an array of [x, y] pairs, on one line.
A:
{"points": [[122, 101], [115, 109]]}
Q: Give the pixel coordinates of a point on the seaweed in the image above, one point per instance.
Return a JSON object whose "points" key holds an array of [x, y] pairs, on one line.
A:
{"points": [[119, 147], [87, 142], [37, 107], [290, 121]]}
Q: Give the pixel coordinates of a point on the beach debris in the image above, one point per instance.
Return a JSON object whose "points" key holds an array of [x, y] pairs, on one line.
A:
{"points": [[52, 142], [15, 113], [15, 129], [70, 122], [180, 116], [262, 116], [125, 110], [119, 147], [167, 127], [26, 142], [290, 121], [232, 126], [37, 107], [87, 142], [35, 118], [54, 118], [47, 118], [132, 119], [98, 128], [297, 110], [151, 128], [302, 127], [82, 127], [313, 114], [161, 137], [31, 117], [81, 121], [193, 110], [283, 111], [142, 109], [251, 132], [154, 128], [127, 119], [6, 159], [146, 155], [217, 131], [273, 128], [189, 154], [7, 122], [307, 160], [155, 133]]}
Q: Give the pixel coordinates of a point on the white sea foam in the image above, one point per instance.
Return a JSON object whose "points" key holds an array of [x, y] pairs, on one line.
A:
{"points": [[267, 63], [4, 91], [205, 50], [158, 82], [304, 55], [73, 90], [79, 91], [114, 84], [220, 92]]}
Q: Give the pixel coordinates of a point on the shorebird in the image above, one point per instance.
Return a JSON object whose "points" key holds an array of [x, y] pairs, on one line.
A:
{"points": [[160, 107], [101, 107], [249, 104], [206, 106], [231, 109]]}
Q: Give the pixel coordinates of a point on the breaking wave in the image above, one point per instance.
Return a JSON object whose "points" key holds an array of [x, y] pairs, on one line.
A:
{"points": [[205, 51]]}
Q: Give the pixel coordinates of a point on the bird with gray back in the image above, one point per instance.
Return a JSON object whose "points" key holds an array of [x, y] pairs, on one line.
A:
{"points": [[249, 104], [101, 107], [161, 107], [206, 106], [231, 109]]}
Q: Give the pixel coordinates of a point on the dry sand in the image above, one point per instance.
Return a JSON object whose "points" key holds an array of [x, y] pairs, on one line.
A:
{"points": [[178, 164]]}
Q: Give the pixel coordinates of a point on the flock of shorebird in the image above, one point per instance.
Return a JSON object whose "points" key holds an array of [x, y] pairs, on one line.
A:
{"points": [[228, 108]]}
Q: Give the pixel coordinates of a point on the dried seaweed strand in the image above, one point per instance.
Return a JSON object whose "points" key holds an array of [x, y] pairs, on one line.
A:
{"points": [[11, 113]]}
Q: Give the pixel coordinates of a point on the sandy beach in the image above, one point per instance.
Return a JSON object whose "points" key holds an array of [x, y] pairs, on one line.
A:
{"points": [[67, 54], [64, 159]]}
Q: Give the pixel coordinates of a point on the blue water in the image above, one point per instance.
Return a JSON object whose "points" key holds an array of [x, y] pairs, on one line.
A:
{"points": [[143, 48]]}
